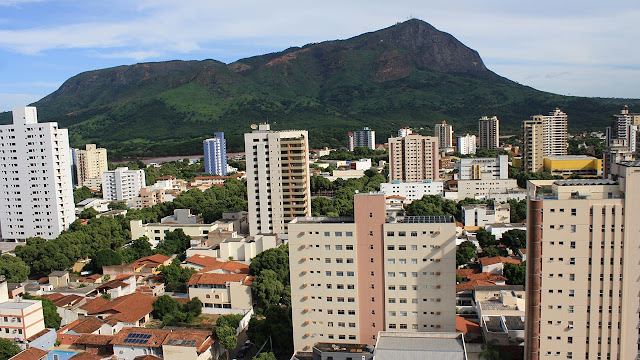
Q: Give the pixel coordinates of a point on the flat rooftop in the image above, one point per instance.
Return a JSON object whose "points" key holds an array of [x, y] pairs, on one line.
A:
{"points": [[571, 157], [574, 182], [323, 220], [425, 219], [350, 348], [18, 304], [410, 346]]}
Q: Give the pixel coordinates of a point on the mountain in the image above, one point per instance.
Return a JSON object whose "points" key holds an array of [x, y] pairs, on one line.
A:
{"points": [[409, 74]]}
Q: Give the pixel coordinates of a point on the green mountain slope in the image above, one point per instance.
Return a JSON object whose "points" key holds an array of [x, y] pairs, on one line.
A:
{"points": [[409, 74]]}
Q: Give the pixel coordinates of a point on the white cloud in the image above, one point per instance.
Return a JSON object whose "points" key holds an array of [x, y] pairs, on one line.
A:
{"points": [[17, 2]]}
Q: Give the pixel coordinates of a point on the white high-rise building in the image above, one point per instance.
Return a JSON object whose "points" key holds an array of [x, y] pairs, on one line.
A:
{"points": [[467, 144], [90, 164], [554, 133], [364, 138], [278, 183], [489, 131], [36, 192], [404, 131], [122, 184], [444, 133], [215, 155]]}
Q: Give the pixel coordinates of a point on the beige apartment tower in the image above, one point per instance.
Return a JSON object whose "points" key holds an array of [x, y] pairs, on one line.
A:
{"points": [[277, 178], [413, 158], [91, 163], [354, 277], [533, 140], [444, 133], [582, 267], [489, 130]]}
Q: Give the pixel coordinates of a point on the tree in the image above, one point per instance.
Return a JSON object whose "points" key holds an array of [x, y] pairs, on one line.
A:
{"points": [[276, 259], [117, 206], [13, 269], [491, 351], [514, 239], [265, 356], [81, 194], [493, 250], [485, 238], [193, 306], [88, 213], [465, 252], [8, 349], [175, 242], [518, 210], [164, 305], [515, 273], [175, 276], [267, 289], [276, 322], [227, 337], [105, 257], [139, 248]]}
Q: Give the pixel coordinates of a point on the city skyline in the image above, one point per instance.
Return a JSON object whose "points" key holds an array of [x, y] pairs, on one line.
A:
{"points": [[40, 51]]}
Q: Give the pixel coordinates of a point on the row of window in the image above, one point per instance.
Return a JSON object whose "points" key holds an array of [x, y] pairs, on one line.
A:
{"points": [[412, 233]]}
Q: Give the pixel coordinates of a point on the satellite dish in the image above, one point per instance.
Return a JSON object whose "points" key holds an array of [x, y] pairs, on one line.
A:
{"points": [[254, 126]]}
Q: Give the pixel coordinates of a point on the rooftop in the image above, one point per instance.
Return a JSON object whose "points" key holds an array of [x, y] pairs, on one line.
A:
{"points": [[30, 354], [342, 347], [574, 182], [514, 322], [409, 346], [322, 220], [630, 163], [425, 219], [492, 323], [571, 157], [17, 304]]}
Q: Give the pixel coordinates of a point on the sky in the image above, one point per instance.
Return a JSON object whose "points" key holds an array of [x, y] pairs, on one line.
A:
{"points": [[571, 47]]}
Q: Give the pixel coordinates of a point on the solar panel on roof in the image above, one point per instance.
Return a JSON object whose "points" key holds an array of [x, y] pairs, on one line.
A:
{"points": [[137, 338]]}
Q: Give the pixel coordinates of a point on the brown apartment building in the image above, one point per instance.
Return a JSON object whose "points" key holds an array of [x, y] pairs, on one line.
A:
{"points": [[582, 286], [413, 158], [352, 277]]}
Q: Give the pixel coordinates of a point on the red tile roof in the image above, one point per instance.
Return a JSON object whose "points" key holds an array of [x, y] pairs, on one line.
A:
{"points": [[156, 339], [153, 260], [93, 339], [53, 297], [68, 300], [30, 354], [86, 356], [147, 357], [465, 326], [210, 263], [485, 261], [129, 308], [113, 284], [471, 284], [219, 279], [36, 336], [87, 325]]}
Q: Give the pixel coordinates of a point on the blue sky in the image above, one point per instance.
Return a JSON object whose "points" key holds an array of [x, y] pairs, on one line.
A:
{"points": [[587, 48]]}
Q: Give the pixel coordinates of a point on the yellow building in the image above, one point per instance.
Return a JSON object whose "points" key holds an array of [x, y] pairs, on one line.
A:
{"points": [[567, 165]]}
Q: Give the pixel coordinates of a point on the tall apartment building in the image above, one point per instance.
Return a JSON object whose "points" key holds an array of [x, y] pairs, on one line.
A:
{"points": [[413, 158], [215, 155], [484, 168], [612, 155], [444, 133], [582, 255], [364, 138], [354, 277], [467, 144], [533, 145], [620, 127], [554, 132], [278, 183], [122, 184], [36, 193], [90, 164], [489, 130]]}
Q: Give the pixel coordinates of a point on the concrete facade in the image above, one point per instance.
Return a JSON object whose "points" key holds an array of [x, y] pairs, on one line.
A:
{"points": [[582, 291], [215, 155], [444, 134], [467, 144], [364, 137], [489, 130], [278, 184], [122, 184], [484, 168], [413, 158], [36, 192], [90, 164], [354, 277], [412, 190]]}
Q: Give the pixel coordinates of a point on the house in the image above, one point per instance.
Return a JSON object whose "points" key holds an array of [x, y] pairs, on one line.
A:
{"points": [[200, 262], [92, 325], [223, 287], [495, 264], [147, 265], [131, 310], [430, 345], [95, 344], [132, 342], [233, 247], [142, 343], [471, 330], [187, 344], [470, 278], [59, 278], [501, 311], [483, 214], [66, 305], [31, 354], [116, 288], [15, 289]]}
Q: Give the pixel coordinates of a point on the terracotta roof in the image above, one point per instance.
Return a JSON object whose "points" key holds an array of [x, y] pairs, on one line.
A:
{"points": [[467, 272], [94, 339], [166, 177], [86, 356], [94, 276], [203, 339], [471, 284], [219, 279], [129, 308], [156, 339], [68, 300], [43, 280], [30, 354], [396, 197], [87, 326], [523, 251], [113, 284], [465, 326], [484, 261], [153, 260], [33, 337], [211, 264], [53, 297], [147, 357], [475, 278]]}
